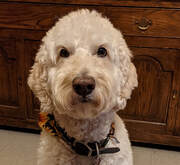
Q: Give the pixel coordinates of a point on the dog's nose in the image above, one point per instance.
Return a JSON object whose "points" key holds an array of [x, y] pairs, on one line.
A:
{"points": [[83, 86]]}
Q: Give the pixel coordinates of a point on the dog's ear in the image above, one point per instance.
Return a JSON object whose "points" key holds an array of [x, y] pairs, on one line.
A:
{"points": [[127, 72], [131, 81], [37, 79]]}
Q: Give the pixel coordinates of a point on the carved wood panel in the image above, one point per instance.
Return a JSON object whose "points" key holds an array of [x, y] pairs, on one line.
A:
{"points": [[152, 96], [150, 108], [31, 48], [10, 82]]}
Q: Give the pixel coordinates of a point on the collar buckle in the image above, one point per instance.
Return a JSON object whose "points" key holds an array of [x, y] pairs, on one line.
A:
{"points": [[82, 148]]}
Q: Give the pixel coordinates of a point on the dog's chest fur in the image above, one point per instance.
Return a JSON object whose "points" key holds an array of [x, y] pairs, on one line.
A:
{"points": [[87, 130]]}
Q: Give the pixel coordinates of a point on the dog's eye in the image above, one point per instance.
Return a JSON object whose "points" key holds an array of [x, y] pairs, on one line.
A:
{"points": [[102, 52], [64, 53]]}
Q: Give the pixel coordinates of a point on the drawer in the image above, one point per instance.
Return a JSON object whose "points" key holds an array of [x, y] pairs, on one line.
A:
{"points": [[156, 22]]}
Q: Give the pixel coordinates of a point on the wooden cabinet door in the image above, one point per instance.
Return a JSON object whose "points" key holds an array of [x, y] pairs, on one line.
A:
{"points": [[18, 108], [12, 95], [150, 113]]}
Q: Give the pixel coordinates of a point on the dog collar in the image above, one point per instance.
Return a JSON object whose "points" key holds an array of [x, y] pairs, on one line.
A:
{"points": [[47, 122]]}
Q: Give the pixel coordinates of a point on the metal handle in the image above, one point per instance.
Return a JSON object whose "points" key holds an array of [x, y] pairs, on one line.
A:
{"points": [[143, 24], [174, 94]]}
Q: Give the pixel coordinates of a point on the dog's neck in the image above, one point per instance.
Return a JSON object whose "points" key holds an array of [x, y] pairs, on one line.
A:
{"points": [[86, 129]]}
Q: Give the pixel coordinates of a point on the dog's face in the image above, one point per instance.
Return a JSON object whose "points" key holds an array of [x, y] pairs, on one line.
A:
{"points": [[83, 67]]}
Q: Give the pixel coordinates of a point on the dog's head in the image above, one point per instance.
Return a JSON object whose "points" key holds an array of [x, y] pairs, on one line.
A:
{"points": [[83, 67]]}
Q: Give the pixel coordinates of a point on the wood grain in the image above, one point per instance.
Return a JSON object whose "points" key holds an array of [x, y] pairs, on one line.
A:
{"points": [[165, 22], [151, 104], [129, 3], [31, 48], [10, 82]]}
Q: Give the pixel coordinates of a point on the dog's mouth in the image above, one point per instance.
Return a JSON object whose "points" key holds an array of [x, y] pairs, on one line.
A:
{"points": [[85, 99], [76, 99]]}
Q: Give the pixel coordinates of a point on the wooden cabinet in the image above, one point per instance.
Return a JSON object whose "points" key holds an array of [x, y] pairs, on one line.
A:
{"points": [[152, 31]]}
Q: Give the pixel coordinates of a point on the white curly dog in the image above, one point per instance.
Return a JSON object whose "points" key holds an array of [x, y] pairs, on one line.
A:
{"points": [[82, 76]]}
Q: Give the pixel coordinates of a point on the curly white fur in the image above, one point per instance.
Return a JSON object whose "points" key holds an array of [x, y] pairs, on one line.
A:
{"points": [[82, 33]]}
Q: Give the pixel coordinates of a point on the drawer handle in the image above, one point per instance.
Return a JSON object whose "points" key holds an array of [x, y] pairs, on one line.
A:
{"points": [[174, 94], [144, 24]]}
